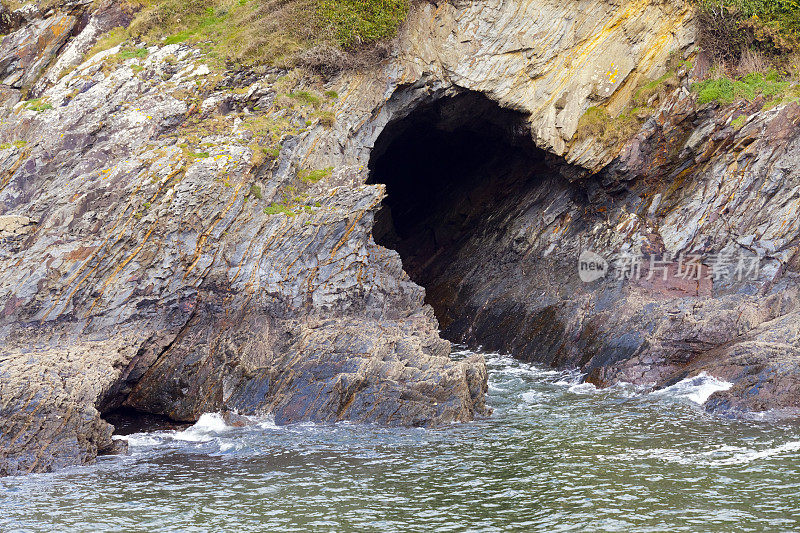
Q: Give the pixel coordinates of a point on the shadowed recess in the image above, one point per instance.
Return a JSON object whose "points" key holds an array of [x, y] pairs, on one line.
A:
{"points": [[456, 171]]}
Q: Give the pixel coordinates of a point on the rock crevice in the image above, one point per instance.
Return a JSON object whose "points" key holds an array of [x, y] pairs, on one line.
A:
{"points": [[179, 238]]}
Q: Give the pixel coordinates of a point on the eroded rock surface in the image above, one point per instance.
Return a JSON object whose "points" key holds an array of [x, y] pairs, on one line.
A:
{"points": [[500, 261], [179, 238], [139, 273]]}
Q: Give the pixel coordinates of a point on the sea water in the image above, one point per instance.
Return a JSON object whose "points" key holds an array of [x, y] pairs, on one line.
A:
{"points": [[556, 455]]}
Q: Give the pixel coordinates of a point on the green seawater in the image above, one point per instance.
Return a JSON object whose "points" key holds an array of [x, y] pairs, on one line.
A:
{"points": [[554, 456]]}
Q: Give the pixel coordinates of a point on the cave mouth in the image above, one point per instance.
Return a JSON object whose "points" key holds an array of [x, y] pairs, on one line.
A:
{"points": [[454, 170], [127, 421]]}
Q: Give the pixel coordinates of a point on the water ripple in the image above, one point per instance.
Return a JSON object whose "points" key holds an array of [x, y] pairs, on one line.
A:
{"points": [[558, 455]]}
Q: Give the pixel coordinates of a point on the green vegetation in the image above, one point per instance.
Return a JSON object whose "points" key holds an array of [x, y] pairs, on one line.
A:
{"points": [[732, 30], [739, 122], [255, 32], [295, 200], [276, 208], [268, 134], [597, 122], [755, 49], [137, 53], [781, 15], [313, 176], [305, 98], [326, 118], [255, 192], [244, 31], [271, 152], [353, 22], [112, 38], [38, 105], [726, 90]]}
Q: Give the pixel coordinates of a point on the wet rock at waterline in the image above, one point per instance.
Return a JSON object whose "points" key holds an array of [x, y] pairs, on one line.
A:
{"points": [[180, 238]]}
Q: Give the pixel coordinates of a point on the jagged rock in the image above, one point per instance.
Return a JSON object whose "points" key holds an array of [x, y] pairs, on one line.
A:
{"points": [[15, 225], [247, 279], [12, 20], [552, 60], [25, 53]]}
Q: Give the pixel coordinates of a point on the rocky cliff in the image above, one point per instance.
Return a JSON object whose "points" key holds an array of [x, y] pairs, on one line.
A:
{"points": [[179, 236]]}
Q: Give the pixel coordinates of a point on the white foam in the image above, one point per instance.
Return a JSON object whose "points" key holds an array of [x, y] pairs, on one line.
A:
{"points": [[139, 439], [226, 446], [534, 397], [268, 423], [748, 456], [582, 388], [719, 456], [206, 427], [572, 378], [697, 389], [504, 365]]}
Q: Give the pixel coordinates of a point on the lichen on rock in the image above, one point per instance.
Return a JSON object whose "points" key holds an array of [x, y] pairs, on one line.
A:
{"points": [[181, 236]]}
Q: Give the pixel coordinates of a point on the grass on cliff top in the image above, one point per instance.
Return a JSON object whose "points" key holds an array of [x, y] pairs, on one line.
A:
{"points": [[353, 22], [754, 46], [261, 31]]}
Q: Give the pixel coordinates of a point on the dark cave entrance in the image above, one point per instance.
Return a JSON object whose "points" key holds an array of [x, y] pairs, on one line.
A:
{"points": [[127, 421], [457, 171]]}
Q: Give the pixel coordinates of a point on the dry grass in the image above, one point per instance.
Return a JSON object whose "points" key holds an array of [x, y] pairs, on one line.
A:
{"points": [[323, 35], [244, 31], [752, 62]]}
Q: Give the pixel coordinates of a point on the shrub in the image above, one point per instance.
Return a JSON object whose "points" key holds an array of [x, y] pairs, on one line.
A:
{"points": [[38, 104], [610, 131], [244, 31], [275, 209], [305, 98], [729, 28], [739, 122], [138, 53], [326, 118], [355, 22], [111, 39]]}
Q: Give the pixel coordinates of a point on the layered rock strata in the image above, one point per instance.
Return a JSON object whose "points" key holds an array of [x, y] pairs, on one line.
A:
{"points": [[178, 237]]}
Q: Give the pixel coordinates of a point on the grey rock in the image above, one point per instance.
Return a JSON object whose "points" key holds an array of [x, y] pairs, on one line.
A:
{"points": [[179, 283]]}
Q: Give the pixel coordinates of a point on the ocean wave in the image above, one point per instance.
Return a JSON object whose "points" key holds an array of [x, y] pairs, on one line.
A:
{"points": [[748, 456], [208, 426], [720, 456], [697, 389], [139, 440]]}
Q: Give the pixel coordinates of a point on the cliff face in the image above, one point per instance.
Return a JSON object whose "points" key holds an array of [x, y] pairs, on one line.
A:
{"points": [[181, 238]]}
